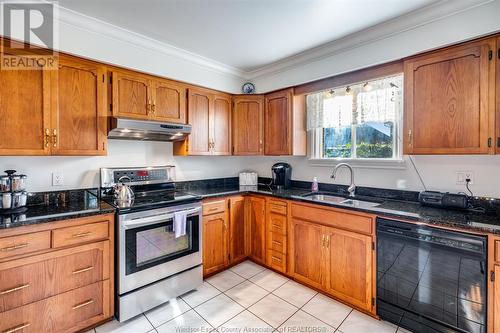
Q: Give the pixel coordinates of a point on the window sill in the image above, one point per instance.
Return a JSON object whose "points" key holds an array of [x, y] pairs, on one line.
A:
{"points": [[360, 163]]}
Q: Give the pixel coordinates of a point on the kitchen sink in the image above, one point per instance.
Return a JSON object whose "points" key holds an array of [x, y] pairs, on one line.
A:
{"points": [[340, 200]]}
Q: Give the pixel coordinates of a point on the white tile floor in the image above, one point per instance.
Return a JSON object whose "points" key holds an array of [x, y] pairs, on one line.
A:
{"points": [[251, 298]]}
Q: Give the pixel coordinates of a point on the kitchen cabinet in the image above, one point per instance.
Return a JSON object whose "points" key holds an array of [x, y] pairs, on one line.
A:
{"points": [[209, 114], [238, 229], [257, 224], [493, 284], [71, 284], [145, 97], [276, 220], [215, 237], [248, 125], [497, 88], [449, 100], [284, 124], [79, 116]]}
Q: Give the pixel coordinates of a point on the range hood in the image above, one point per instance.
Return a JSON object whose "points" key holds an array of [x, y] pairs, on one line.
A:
{"points": [[140, 130]]}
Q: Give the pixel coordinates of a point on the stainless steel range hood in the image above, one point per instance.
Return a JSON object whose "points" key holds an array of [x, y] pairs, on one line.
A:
{"points": [[140, 130]]}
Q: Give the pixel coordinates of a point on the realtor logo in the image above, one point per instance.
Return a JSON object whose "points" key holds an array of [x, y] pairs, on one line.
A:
{"points": [[30, 35]]}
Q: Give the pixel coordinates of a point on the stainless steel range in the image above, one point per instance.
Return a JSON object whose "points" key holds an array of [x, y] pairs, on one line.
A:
{"points": [[158, 238]]}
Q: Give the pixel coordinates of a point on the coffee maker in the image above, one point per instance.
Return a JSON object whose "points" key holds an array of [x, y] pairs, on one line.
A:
{"points": [[281, 176]]}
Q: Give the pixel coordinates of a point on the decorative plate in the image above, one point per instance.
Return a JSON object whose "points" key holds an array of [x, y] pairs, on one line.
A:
{"points": [[248, 88]]}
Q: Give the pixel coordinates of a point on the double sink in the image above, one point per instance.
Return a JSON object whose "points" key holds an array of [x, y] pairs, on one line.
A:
{"points": [[331, 198]]}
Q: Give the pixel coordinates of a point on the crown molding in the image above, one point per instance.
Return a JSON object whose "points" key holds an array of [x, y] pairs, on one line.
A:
{"points": [[435, 12]]}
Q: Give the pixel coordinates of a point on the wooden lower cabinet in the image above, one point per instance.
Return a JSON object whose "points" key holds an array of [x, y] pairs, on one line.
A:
{"points": [[493, 284], [215, 235], [257, 225], [57, 287], [276, 226], [238, 229]]}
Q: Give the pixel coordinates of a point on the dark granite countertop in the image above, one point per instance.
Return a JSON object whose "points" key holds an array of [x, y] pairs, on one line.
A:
{"points": [[56, 206], [389, 208]]}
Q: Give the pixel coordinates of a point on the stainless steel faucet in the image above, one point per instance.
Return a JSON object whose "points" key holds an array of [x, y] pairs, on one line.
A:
{"points": [[352, 187]]}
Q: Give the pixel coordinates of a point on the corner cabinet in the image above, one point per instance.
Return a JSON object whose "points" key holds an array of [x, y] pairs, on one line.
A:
{"points": [[248, 125], [284, 124], [54, 112], [209, 114], [449, 100]]}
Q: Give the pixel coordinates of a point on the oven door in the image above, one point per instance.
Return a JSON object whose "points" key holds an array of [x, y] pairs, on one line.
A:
{"points": [[149, 249]]}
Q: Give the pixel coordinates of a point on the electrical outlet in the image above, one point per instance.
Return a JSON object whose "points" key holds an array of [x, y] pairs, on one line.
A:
{"points": [[57, 179], [463, 175]]}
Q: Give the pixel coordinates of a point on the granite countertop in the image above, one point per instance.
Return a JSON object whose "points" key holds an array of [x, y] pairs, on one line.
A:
{"points": [[403, 209], [73, 204]]}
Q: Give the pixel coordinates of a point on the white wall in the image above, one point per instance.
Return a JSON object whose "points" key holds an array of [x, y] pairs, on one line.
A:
{"points": [[438, 172]]}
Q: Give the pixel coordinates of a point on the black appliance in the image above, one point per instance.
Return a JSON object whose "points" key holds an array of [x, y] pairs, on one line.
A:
{"points": [[430, 279], [443, 200], [281, 176]]}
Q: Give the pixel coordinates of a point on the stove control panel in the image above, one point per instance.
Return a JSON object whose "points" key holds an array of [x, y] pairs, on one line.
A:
{"points": [[136, 176]]}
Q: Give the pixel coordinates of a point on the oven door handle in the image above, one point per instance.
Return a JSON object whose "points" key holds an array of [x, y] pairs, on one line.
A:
{"points": [[139, 222]]}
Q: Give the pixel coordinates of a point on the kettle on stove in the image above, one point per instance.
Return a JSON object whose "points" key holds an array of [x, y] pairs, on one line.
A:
{"points": [[122, 191]]}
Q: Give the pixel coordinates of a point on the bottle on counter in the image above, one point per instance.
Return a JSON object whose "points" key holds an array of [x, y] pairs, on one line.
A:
{"points": [[315, 186]]}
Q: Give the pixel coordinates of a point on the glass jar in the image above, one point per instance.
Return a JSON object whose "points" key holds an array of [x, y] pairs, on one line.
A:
{"points": [[4, 184], [18, 182], [16, 199], [6, 202]]}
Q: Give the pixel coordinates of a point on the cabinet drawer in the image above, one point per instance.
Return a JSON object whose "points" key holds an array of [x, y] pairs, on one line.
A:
{"points": [[333, 218], [80, 234], [277, 242], [59, 313], [278, 207], [214, 207], [16, 245], [276, 260], [26, 283], [276, 224]]}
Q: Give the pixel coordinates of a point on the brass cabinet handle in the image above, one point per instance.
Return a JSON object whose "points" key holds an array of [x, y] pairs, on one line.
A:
{"points": [[327, 241], [81, 305], [47, 138], [212, 209], [276, 258], [83, 234], [54, 138], [276, 242], [86, 269], [14, 247], [410, 138], [276, 226], [153, 107], [8, 291], [17, 328]]}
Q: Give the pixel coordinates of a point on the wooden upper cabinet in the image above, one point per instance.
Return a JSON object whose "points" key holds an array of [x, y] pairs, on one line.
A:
{"points": [[497, 88], [449, 100], [79, 116], [349, 267], [25, 112], [257, 224], [209, 114], [168, 101], [248, 125], [132, 95], [221, 125]]}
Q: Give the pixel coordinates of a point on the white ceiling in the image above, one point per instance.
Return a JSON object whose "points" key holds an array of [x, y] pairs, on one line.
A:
{"points": [[245, 34]]}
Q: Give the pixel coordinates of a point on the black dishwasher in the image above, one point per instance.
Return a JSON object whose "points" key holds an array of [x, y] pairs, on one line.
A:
{"points": [[430, 279]]}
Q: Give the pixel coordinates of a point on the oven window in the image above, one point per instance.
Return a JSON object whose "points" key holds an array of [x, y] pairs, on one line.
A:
{"points": [[155, 244]]}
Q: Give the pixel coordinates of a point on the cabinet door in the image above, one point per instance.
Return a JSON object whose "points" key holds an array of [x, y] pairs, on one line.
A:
{"points": [[308, 254], [349, 267], [221, 125], [25, 108], [199, 108], [214, 243], [495, 303], [257, 229], [448, 101], [79, 116], [169, 102], [497, 87], [237, 229], [248, 120], [131, 95], [278, 123]]}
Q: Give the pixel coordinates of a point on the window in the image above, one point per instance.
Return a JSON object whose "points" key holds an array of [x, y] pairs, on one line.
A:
{"points": [[361, 121]]}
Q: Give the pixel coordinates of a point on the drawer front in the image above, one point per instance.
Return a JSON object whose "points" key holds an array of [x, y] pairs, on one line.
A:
{"points": [[276, 224], [214, 207], [29, 283], [278, 207], [337, 219], [277, 261], [28, 243], [80, 234], [276, 242], [59, 313]]}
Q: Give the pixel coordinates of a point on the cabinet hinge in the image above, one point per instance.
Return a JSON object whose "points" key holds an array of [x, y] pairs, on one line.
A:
{"points": [[498, 53], [233, 149], [373, 246], [111, 107], [491, 55], [110, 79], [492, 276], [489, 142], [498, 142], [103, 146], [373, 301], [103, 78]]}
